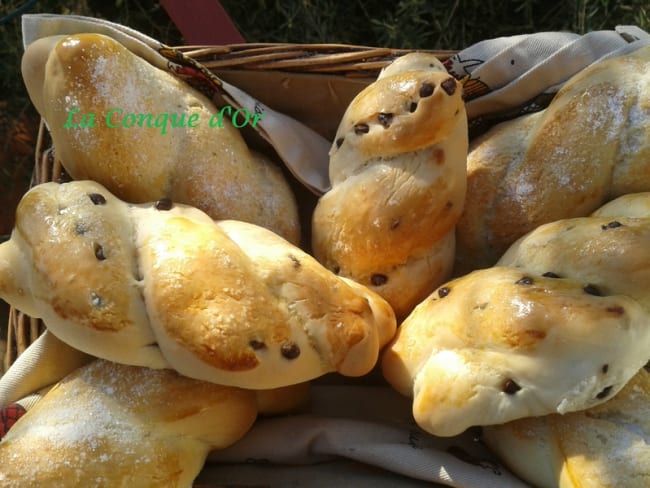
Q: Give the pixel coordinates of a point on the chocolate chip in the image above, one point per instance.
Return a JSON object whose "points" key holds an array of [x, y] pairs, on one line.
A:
{"points": [[295, 260], [592, 290], [526, 280], [449, 85], [360, 129], [97, 198], [385, 119], [257, 345], [550, 274], [510, 387], [290, 350], [96, 301], [604, 392], [612, 225], [164, 204], [605, 368], [378, 279], [413, 107], [426, 90], [444, 291], [339, 141], [99, 252], [394, 224]]}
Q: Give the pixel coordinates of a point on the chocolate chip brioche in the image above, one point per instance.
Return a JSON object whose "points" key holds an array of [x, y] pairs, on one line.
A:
{"points": [[163, 285], [109, 425], [177, 153], [605, 446], [592, 144], [560, 324], [397, 168]]}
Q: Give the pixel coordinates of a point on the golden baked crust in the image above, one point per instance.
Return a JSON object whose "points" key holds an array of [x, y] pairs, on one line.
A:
{"points": [[605, 446], [592, 144], [608, 253], [631, 205], [394, 125], [207, 167], [558, 325], [500, 344], [397, 169], [163, 285], [108, 425], [73, 250]]}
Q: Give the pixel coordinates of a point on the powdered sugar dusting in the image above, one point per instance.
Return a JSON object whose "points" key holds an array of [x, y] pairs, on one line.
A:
{"points": [[637, 126], [606, 112], [103, 74], [93, 417]]}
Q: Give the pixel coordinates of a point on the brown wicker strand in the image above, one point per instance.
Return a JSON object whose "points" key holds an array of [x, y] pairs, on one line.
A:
{"points": [[339, 59], [22, 331]]}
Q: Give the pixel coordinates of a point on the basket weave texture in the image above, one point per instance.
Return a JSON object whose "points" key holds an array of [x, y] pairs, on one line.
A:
{"points": [[333, 59]]}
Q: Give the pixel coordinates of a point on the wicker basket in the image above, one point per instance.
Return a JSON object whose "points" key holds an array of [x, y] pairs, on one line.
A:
{"points": [[289, 78]]}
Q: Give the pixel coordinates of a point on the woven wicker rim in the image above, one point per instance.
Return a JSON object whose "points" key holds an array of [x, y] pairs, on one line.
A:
{"points": [[339, 59], [22, 330]]}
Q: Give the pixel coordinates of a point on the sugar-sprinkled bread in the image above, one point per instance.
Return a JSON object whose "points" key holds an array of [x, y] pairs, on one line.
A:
{"points": [[108, 425], [210, 168], [397, 168], [592, 144], [605, 446], [162, 285], [560, 324]]}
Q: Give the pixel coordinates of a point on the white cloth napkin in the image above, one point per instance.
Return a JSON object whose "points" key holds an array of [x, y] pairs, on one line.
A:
{"points": [[368, 426], [511, 76]]}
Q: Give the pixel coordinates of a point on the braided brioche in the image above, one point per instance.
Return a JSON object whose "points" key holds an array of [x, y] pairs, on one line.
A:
{"points": [[210, 168], [560, 324], [592, 144], [110, 425], [605, 446], [397, 169], [162, 285]]}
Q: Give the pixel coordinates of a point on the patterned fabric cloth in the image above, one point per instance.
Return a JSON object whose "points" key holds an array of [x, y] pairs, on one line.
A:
{"points": [[9, 415], [512, 76]]}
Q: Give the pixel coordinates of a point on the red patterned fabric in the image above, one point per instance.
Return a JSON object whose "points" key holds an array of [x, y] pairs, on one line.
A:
{"points": [[9, 415]]}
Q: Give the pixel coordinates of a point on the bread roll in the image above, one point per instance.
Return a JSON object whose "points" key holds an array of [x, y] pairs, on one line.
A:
{"points": [[109, 425], [608, 251], [397, 169], [605, 446], [210, 168], [592, 144], [162, 285], [559, 325], [630, 205]]}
